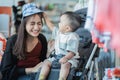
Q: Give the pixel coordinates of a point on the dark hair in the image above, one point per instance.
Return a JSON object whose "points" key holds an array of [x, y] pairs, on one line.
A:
{"points": [[74, 20], [20, 44]]}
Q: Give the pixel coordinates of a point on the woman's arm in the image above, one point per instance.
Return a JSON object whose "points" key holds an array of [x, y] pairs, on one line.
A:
{"points": [[33, 69], [48, 22], [8, 63], [8, 66]]}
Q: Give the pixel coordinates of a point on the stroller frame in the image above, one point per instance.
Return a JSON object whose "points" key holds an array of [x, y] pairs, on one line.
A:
{"points": [[91, 69]]}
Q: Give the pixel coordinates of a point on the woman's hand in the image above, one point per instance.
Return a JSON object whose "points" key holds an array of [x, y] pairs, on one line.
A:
{"points": [[34, 69], [37, 67]]}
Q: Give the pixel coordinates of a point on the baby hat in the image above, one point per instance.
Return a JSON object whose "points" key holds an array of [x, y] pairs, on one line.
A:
{"points": [[30, 9]]}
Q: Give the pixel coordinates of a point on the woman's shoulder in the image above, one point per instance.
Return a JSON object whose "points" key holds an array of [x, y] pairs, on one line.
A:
{"points": [[14, 36], [41, 36]]}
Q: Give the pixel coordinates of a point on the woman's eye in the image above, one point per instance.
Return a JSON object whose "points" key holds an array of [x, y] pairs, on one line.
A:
{"points": [[32, 23], [39, 23]]}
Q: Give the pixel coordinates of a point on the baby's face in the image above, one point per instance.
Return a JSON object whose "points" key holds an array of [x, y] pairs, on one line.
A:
{"points": [[63, 24]]}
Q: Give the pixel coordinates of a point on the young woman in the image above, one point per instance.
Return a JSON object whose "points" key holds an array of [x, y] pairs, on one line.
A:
{"points": [[26, 50]]}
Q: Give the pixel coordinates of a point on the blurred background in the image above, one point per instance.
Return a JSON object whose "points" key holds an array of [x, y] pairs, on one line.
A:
{"points": [[52, 7]]}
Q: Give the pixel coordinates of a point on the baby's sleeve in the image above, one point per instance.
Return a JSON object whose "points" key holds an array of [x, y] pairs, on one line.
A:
{"points": [[73, 43]]}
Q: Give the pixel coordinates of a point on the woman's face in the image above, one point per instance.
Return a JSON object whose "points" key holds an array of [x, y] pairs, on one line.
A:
{"points": [[29, 1], [34, 25]]}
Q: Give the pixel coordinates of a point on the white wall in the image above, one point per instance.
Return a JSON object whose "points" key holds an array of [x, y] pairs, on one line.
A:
{"points": [[6, 2], [4, 24], [4, 19]]}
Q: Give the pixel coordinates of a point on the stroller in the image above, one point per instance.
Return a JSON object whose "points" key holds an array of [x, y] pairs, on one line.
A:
{"points": [[87, 54]]}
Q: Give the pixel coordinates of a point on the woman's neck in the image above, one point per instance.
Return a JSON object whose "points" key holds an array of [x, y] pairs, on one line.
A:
{"points": [[31, 39], [31, 42]]}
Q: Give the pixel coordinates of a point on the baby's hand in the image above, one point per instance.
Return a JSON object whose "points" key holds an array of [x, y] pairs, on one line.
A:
{"points": [[63, 60], [44, 15]]}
